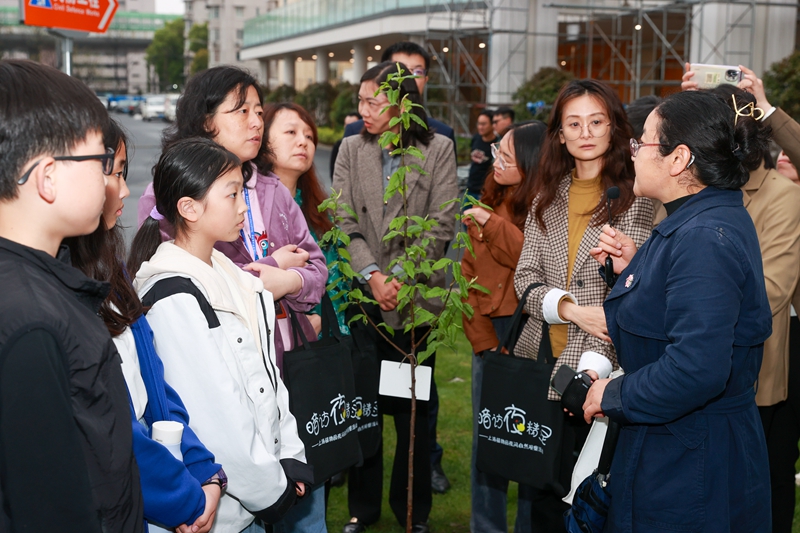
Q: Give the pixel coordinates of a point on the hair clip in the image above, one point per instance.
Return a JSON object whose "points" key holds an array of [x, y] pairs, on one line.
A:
{"points": [[748, 110]]}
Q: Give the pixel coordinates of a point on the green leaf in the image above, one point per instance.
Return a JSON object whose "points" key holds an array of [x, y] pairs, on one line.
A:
{"points": [[414, 151], [441, 263], [408, 268], [417, 119], [343, 253]]}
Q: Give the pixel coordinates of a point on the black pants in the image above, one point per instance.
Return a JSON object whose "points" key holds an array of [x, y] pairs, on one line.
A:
{"points": [[365, 483], [547, 509], [782, 431]]}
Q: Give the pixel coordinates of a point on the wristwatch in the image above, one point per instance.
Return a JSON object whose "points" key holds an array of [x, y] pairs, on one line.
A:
{"points": [[368, 276]]}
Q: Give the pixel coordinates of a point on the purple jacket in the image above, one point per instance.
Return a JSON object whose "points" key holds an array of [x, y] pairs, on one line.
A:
{"points": [[285, 224]]}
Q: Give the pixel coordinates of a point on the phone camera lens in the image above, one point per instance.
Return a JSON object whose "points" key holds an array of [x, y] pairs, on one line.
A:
{"points": [[732, 75]]}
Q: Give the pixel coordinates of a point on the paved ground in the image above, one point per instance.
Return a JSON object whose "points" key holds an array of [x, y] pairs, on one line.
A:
{"points": [[145, 139]]}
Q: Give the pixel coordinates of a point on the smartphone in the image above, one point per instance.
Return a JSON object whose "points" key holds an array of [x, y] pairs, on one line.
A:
{"points": [[710, 76]]}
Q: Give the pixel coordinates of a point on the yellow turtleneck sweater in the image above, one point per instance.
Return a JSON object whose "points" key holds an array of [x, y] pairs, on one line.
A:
{"points": [[584, 195]]}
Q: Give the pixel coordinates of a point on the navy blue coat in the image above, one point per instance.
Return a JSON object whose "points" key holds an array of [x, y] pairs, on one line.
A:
{"points": [[688, 318]]}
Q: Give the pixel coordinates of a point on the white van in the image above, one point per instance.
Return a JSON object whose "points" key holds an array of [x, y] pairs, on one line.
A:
{"points": [[153, 107], [170, 104]]}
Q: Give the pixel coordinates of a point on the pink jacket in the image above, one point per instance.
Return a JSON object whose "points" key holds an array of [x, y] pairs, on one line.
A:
{"points": [[285, 225]]}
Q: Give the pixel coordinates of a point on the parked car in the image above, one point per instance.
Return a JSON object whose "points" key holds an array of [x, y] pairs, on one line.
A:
{"points": [[170, 105], [152, 107]]}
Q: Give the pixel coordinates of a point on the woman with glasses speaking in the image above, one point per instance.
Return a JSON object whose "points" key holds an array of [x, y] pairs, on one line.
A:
{"points": [[586, 152], [689, 323]]}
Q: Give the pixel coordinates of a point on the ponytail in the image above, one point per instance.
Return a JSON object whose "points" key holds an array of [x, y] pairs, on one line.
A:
{"points": [[145, 244]]}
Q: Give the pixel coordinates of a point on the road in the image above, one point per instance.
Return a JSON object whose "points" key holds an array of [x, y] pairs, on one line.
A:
{"points": [[144, 145]]}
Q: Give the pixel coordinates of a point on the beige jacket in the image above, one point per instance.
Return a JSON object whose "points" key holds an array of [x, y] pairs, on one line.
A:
{"points": [[358, 174], [544, 260], [773, 202]]}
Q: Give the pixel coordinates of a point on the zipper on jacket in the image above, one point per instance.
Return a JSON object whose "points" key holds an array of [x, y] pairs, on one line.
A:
{"points": [[266, 357]]}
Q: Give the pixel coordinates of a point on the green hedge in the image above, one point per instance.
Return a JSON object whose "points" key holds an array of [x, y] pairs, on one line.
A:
{"points": [[329, 135]]}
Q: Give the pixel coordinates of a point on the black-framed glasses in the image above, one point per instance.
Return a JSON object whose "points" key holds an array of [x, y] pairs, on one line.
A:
{"points": [[635, 145], [107, 159]]}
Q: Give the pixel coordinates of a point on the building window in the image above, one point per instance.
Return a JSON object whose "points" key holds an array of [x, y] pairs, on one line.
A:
{"points": [[215, 34], [213, 12], [239, 10], [239, 35], [135, 75]]}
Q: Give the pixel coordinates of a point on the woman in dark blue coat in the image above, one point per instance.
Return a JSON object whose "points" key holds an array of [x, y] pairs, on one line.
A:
{"points": [[688, 317]]}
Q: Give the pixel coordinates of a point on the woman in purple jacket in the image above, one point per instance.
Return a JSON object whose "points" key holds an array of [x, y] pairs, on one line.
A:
{"points": [[225, 104]]}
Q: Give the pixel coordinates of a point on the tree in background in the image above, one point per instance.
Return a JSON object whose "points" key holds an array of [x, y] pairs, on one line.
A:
{"points": [[198, 45], [542, 88], [345, 102], [782, 84], [199, 61], [165, 54], [284, 93], [317, 99]]}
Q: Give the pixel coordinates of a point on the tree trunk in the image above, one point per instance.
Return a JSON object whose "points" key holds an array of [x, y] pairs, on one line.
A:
{"points": [[410, 500]]}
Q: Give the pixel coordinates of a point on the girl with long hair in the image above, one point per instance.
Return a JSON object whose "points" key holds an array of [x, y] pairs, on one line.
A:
{"points": [[213, 325], [224, 104], [178, 493], [586, 151], [497, 237]]}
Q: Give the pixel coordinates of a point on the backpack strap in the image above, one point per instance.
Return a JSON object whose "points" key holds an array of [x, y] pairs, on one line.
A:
{"points": [[177, 285]]}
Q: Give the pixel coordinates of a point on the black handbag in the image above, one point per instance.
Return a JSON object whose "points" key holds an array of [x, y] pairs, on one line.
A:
{"points": [[519, 429], [366, 373], [319, 378]]}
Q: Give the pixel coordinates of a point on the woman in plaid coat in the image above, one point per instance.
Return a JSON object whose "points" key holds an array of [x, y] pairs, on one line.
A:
{"points": [[586, 151]]}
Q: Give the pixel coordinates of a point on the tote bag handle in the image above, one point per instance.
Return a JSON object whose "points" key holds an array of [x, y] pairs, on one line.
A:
{"points": [[517, 323]]}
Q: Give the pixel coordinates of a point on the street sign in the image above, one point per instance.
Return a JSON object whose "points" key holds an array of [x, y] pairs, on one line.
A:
{"points": [[81, 15]]}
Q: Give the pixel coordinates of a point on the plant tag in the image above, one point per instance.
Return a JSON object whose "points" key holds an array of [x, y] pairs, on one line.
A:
{"points": [[396, 380]]}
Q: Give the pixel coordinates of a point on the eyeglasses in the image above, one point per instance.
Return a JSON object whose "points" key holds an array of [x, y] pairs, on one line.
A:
{"points": [[107, 159], [497, 155], [573, 130], [635, 145], [419, 72]]}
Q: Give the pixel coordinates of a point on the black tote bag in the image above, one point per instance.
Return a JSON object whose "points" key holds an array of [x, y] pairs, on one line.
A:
{"points": [[519, 429], [319, 378], [366, 373]]}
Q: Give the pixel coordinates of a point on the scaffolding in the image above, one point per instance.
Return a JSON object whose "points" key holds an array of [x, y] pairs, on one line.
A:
{"points": [[637, 46]]}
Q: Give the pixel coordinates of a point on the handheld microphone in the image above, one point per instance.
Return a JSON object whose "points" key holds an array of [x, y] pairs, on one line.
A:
{"points": [[611, 194]]}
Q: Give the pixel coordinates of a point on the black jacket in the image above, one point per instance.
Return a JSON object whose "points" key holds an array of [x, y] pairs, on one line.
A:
{"points": [[66, 456]]}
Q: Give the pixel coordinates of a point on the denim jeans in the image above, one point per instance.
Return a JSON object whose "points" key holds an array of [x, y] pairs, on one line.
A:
{"points": [[490, 492], [308, 516]]}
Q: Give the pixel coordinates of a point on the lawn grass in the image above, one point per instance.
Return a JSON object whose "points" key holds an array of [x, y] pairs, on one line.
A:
{"points": [[451, 511]]}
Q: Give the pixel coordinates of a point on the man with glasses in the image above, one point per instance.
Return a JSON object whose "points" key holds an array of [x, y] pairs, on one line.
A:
{"points": [[481, 154], [66, 460], [502, 120], [418, 62]]}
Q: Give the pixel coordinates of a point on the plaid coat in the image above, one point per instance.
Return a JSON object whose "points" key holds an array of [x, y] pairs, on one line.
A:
{"points": [[544, 260]]}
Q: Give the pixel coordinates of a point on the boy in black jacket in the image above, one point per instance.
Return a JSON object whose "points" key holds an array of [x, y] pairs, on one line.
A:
{"points": [[66, 459]]}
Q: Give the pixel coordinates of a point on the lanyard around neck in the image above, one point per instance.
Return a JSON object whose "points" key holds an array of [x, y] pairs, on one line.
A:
{"points": [[252, 226]]}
